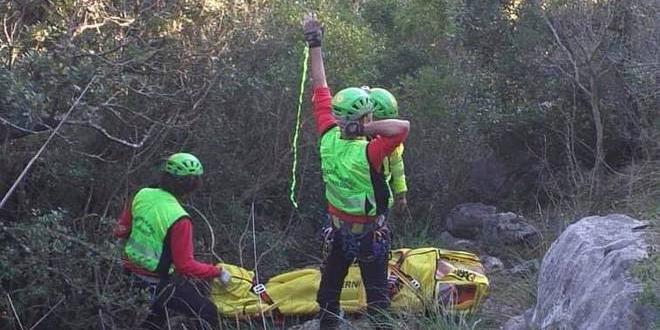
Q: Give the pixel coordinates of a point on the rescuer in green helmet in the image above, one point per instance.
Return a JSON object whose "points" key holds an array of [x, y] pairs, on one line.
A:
{"points": [[386, 107], [158, 248], [352, 150]]}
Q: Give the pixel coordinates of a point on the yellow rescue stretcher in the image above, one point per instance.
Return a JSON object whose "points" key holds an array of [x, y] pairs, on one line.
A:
{"points": [[418, 279]]}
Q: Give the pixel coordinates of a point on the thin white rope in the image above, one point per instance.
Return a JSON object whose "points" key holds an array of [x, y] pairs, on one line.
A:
{"points": [[256, 270], [208, 224], [18, 319], [43, 147]]}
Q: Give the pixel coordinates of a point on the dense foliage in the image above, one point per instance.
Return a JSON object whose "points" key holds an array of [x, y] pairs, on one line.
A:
{"points": [[525, 104]]}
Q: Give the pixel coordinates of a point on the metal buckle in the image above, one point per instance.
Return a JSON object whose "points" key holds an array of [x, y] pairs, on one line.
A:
{"points": [[259, 289], [415, 284], [380, 220], [392, 278], [351, 228]]}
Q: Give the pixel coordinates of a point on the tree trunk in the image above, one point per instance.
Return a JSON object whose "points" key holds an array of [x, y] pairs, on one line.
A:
{"points": [[598, 123]]}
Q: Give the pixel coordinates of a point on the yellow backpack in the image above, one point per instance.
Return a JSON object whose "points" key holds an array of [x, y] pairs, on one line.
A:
{"points": [[418, 279]]}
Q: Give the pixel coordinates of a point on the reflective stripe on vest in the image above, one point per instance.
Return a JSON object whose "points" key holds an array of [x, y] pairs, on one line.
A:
{"points": [[154, 211], [394, 172], [387, 173], [392, 160]]}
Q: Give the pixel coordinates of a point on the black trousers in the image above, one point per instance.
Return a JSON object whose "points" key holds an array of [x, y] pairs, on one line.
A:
{"points": [[182, 296], [373, 268]]}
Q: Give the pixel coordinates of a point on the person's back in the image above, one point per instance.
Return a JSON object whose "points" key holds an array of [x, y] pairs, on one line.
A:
{"points": [[351, 185], [158, 248], [154, 211]]}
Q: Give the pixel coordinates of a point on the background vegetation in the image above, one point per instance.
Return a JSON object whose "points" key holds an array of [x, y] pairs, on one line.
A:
{"points": [[546, 108]]}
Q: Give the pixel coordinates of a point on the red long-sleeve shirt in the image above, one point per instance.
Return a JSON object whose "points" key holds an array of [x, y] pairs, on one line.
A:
{"points": [[179, 241], [378, 147]]}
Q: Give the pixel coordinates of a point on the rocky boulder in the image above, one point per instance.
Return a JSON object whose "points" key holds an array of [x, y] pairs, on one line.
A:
{"points": [[482, 222], [453, 243], [585, 282], [465, 220]]}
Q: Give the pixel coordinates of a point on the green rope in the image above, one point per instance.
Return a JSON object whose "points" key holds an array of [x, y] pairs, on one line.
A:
{"points": [[297, 130]]}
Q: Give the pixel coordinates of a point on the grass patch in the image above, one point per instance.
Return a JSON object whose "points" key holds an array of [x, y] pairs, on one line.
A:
{"points": [[510, 295], [647, 272], [648, 269]]}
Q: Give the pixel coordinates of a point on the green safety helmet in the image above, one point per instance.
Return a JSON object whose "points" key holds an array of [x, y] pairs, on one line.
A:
{"points": [[183, 164], [385, 106], [351, 103]]}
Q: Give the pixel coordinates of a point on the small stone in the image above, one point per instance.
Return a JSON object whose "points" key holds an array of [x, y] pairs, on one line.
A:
{"points": [[526, 267], [491, 264]]}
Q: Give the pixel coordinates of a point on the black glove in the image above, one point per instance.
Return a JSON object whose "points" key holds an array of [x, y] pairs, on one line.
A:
{"points": [[313, 33]]}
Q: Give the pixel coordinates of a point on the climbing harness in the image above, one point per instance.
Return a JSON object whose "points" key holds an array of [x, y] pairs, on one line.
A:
{"points": [[398, 277], [381, 241], [327, 237], [294, 144], [352, 236]]}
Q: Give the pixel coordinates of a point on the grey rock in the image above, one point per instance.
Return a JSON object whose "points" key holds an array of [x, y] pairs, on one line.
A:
{"points": [[505, 229], [525, 268], [466, 220], [520, 322], [585, 282], [451, 242], [493, 230], [491, 264]]}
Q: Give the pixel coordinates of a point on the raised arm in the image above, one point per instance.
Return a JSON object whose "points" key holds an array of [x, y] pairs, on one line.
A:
{"points": [[321, 97], [313, 35], [317, 69], [386, 127]]}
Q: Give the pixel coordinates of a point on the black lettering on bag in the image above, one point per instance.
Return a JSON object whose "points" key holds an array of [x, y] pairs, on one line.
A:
{"points": [[462, 273]]}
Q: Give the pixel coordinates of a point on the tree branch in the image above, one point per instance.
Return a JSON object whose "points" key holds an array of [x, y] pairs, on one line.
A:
{"points": [[111, 137], [576, 76], [19, 128], [113, 19]]}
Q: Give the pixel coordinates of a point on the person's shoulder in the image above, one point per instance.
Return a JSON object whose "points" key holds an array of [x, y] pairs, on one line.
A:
{"points": [[330, 133], [183, 222]]}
